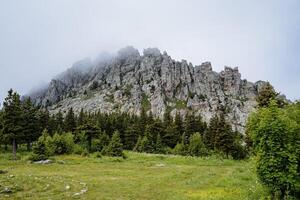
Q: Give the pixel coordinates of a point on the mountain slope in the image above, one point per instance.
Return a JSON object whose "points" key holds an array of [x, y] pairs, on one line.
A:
{"points": [[129, 81]]}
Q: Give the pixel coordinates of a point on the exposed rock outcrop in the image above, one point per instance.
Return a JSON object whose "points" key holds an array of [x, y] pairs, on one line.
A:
{"points": [[129, 81]]}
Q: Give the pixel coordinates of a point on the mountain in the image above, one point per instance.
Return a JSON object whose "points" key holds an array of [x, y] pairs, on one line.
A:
{"points": [[128, 81]]}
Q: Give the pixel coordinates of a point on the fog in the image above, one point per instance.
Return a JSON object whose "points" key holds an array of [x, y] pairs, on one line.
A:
{"points": [[40, 39]]}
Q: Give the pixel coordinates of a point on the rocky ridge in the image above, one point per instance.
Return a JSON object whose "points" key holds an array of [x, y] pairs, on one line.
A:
{"points": [[154, 81]]}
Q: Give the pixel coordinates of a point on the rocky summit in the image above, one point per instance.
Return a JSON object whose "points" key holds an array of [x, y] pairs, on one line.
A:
{"points": [[128, 82]]}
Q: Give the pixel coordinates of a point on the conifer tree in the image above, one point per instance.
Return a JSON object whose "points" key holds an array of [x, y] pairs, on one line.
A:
{"points": [[178, 127], [159, 145], [59, 119], [70, 122], [224, 138], [43, 117], [265, 95], [115, 146], [81, 118], [131, 136], [211, 133], [12, 120], [189, 125], [30, 122], [90, 130]]}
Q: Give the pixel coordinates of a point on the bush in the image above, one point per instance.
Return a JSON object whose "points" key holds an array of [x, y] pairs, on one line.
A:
{"points": [[196, 146], [179, 149], [78, 149], [85, 153], [63, 144], [274, 137], [42, 149]]}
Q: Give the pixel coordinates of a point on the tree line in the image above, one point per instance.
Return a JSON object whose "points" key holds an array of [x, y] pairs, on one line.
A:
{"points": [[22, 123]]}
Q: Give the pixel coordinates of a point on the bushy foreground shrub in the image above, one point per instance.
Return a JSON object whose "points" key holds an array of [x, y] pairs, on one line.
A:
{"points": [[47, 146]]}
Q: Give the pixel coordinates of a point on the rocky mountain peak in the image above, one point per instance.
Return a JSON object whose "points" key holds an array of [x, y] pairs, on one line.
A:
{"points": [[153, 81]]}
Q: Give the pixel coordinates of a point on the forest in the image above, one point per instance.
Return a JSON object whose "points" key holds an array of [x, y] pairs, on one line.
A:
{"points": [[272, 136]]}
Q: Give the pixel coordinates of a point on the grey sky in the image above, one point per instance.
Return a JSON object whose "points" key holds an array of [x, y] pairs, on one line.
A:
{"points": [[39, 39]]}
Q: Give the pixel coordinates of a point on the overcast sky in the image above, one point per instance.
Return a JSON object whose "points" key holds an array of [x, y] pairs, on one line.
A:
{"points": [[39, 39]]}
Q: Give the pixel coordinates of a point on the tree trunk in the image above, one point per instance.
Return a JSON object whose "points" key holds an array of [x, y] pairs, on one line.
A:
{"points": [[5, 147], [14, 149]]}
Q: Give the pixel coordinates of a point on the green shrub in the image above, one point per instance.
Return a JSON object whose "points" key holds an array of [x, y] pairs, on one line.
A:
{"points": [[179, 149], [196, 146], [42, 149], [63, 143], [78, 149], [85, 153]]}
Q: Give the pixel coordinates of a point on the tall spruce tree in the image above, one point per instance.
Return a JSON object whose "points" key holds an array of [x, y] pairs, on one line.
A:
{"points": [[178, 127], [70, 121], [189, 125], [12, 120], [31, 131], [265, 95], [115, 146], [224, 138], [90, 130]]}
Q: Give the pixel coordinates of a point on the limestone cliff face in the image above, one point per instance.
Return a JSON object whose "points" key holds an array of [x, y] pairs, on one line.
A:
{"points": [[129, 81]]}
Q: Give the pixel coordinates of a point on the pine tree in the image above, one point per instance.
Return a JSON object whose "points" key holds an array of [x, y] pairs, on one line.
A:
{"points": [[189, 125], [70, 122], [178, 127], [43, 117], [210, 135], [115, 146], [159, 145], [90, 130], [131, 136], [81, 118], [59, 119], [30, 122], [265, 95], [12, 120], [224, 139]]}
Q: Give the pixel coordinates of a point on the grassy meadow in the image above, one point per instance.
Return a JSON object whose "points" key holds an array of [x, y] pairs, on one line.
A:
{"points": [[140, 176]]}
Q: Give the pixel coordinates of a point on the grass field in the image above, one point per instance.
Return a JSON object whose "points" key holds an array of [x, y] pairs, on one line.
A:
{"points": [[140, 176]]}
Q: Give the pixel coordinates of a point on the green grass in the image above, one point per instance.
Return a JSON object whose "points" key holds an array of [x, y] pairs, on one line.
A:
{"points": [[140, 176]]}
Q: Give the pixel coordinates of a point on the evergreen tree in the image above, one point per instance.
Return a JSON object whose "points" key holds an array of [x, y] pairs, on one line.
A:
{"points": [[131, 136], [178, 127], [224, 139], [12, 120], [30, 122], [81, 118], [43, 117], [70, 122], [265, 95], [159, 145], [189, 125], [90, 131], [59, 119], [115, 146], [211, 133]]}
